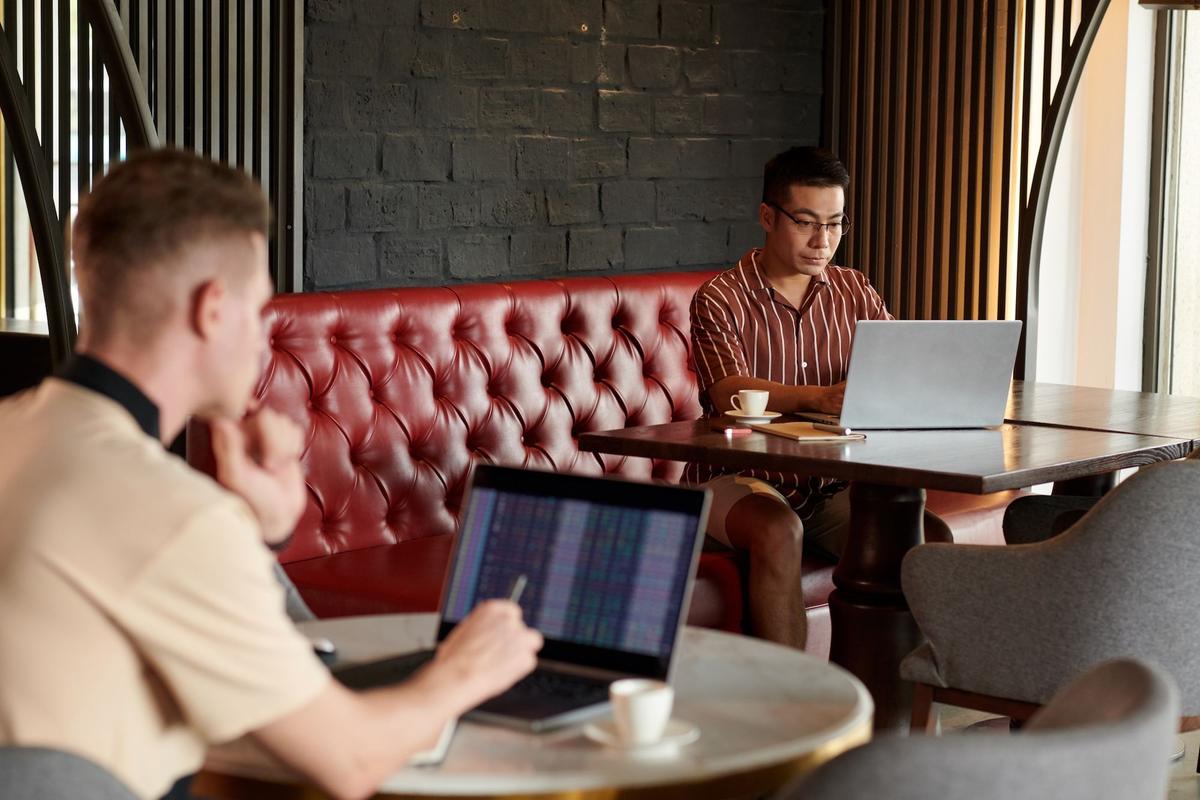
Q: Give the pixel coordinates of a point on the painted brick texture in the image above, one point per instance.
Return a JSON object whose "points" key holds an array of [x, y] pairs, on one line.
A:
{"points": [[459, 140]]}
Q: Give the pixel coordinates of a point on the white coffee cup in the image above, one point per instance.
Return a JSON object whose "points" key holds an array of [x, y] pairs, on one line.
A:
{"points": [[641, 709], [752, 402]]}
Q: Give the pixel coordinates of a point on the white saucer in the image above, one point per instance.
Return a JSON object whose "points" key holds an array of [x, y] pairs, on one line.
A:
{"points": [[742, 416], [678, 733]]}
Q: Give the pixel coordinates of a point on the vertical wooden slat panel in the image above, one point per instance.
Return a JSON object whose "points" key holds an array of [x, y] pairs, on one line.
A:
{"points": [[195, 42], [46, 40], [63, 74], [941, 158], [245, 91], [258, 82], [158, 103], [196, 53], [98, 127], [270, 91], [892, 208], [925, 88], [245, 87], [955, 133], [274, 125], [969, 265], [865, 129], [1008, 142], [83, 72], [853, 123], [190, 105], [986, 120], [29, 50], [882, 131], [1048, 56], [210, 78], [224, 103]]}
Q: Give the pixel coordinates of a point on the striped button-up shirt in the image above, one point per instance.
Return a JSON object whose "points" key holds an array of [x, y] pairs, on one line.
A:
{"points": [[743, 326]]}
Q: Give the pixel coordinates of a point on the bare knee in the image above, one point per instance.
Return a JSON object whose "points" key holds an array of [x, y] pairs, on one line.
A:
{"points": [[767, 528]]}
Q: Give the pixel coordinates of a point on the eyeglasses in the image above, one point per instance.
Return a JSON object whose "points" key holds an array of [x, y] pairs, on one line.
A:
{"points": [[808, 227]]}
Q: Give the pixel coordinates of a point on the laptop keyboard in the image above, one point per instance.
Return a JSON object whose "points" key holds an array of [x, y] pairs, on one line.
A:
{"points": [[539, 683], [544, 683]]}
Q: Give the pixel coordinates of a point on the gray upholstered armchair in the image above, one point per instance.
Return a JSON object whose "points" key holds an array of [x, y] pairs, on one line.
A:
{"points": [[1006, 626], [38, 773], [1101, 738]]}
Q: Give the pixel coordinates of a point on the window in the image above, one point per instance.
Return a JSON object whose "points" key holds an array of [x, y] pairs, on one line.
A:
{"points": [[1174, 304]]}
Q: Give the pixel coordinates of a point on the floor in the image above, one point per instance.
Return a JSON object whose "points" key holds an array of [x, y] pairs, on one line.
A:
{"points": [[1185, 783]]}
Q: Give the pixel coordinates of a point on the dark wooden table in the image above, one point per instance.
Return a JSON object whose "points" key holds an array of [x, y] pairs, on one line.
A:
{"points": [[889, 473], [1116, 410]]}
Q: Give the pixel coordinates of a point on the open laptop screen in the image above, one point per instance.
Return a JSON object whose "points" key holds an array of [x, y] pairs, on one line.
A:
{"points": [[609, 563]]}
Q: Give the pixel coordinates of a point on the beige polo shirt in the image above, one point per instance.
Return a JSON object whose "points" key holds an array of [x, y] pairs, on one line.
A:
{"points": [[139, 619]]}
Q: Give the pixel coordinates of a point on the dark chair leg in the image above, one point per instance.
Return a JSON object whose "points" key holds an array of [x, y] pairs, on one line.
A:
{"points": [[923, 720]]}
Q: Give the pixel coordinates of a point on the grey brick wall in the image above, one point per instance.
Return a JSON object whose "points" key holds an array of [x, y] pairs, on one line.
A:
{"points": [[454, 140]]}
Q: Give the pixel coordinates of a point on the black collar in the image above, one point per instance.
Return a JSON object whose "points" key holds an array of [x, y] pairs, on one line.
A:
{"points": [[91, 374]]}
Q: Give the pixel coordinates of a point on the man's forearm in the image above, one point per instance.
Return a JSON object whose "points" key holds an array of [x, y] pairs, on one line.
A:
{"points": [[349, 743], [784, 398]]}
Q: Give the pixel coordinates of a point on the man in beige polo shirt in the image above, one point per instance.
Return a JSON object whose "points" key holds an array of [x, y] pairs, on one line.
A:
{"points": [[139, 618]]}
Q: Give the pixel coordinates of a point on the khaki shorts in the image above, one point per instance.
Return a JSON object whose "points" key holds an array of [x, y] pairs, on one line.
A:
{"points": [[825, 531]]}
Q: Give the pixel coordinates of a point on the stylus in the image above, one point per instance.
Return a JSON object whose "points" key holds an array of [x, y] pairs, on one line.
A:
{"points": [[838, 429], [518, 588]]}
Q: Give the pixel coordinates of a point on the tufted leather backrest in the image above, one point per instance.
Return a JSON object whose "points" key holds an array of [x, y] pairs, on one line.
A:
{"points": [[402, 390]]}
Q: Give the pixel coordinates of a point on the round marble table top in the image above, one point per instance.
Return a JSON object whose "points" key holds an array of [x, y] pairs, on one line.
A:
{"points": [[757, 705]]}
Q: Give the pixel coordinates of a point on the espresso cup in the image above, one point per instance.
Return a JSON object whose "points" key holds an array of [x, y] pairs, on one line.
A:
{"points": [[752, 402], [641, 709]]}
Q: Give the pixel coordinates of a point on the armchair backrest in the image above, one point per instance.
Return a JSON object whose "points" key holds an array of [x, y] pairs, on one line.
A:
{"points": [[37, 773], [1103, 737], [402, 390]]}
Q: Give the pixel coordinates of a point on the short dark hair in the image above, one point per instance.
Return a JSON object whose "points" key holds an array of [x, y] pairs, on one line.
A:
{"points": [[142, 216], [803, 166]]}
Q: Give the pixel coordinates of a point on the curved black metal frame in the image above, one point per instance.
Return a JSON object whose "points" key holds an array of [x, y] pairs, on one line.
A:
{"points": [[131, 103], [39, 197], [1032, 224], [34, 169]]}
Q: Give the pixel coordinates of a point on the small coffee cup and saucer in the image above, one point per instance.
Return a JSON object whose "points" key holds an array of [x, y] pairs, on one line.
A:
{"points": [[641, 720], [750, 406]]}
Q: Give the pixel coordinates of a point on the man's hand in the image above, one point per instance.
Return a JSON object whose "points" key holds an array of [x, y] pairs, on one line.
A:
{"points": [[486, 653], [259, 460], [829, 399]]}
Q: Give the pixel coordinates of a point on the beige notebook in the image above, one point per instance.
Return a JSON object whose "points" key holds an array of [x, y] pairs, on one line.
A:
{"points": [[805, 432]]}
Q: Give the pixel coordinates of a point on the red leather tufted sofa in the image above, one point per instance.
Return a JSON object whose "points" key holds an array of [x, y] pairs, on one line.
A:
{"points": [[402, 390]]}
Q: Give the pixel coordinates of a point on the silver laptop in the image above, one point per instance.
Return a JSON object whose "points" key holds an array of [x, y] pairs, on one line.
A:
{"points": [[608, 569], [926, 374]]}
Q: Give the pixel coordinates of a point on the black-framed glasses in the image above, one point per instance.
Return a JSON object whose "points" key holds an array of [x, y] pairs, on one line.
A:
{"points": [[808, 227]]}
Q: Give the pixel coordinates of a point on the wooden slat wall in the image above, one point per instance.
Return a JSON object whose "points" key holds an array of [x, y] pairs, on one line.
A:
{"points": [[205, 88], [202, 65], [948, 115]]}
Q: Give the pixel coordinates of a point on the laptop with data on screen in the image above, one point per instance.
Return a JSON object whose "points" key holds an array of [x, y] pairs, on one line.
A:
{"points": [[607, 568]]}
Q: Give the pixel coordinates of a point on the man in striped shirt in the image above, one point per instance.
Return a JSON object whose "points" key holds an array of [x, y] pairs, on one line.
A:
{"points": [[782, 320]]}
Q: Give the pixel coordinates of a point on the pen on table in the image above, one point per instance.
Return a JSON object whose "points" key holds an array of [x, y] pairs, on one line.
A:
{"points": [[518, 587]]}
